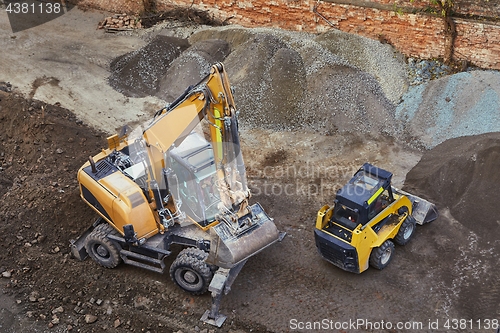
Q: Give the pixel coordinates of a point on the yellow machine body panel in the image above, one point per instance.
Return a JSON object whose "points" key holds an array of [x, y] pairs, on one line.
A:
{"points": [[363, 238], [130, 206], [119, 201]]}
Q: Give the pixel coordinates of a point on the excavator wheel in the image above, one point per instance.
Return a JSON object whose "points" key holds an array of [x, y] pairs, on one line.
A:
{"points": [[195, 253], [101, 249], [190, 272], [406, 231], [200, 255], [381, 256]]}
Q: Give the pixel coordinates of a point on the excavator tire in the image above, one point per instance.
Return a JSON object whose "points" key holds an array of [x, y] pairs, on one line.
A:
{"points": [[101, 249], [381, 256], [200, 255], [406, 231], [195, 253], [191, 273]]}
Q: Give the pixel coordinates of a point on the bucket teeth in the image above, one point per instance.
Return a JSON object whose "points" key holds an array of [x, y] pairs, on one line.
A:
{"points": [[232, 248]]}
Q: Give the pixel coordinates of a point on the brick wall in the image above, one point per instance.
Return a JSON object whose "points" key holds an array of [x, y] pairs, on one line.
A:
{"points": [[114, 6], [395, 22]]}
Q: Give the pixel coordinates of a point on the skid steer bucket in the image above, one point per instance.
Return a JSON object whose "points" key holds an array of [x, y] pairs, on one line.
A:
{"points": [[423, 210]]}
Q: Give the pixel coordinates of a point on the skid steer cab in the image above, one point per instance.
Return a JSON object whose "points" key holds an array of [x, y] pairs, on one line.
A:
{"points": [[367, 218], [179, 179]]}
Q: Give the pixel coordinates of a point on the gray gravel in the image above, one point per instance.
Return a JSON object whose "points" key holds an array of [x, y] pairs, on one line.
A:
{"points": [[380, 60], [462, 104], [328, 83], [422, 71]]}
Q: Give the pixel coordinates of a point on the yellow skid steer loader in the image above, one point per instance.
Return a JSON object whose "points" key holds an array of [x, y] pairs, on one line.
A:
{"points": [[368, 217]]}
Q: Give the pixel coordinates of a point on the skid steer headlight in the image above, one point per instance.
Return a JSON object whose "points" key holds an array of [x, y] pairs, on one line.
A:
{"points": [[350, 263]]}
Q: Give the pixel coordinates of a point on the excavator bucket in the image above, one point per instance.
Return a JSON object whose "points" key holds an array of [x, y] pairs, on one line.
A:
{"points": [[233, 246], [423, 210], [232, 243]]}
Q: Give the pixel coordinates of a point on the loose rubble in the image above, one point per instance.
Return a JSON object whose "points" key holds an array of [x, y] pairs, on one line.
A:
{"points": [[120, 22], [422, 70]]}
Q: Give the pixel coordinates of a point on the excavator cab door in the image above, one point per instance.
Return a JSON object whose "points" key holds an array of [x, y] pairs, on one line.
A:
{"points": [[186, 191], [193, 179]]}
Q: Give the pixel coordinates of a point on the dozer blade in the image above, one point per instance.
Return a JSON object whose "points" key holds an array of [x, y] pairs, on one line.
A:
{"points": [[232, 247], [423, 210], [78, 246]]}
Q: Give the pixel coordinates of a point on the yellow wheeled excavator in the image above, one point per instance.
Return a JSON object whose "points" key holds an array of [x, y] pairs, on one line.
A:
{"points": [[369, 215], [180, 179]]}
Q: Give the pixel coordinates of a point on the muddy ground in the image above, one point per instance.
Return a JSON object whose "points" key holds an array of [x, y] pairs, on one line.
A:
{"points": [[446, 272]]}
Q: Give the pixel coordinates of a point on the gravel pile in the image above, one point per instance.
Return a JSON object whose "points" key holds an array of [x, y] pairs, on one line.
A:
{"points": [[137, 74], [329, 83], [334, 82], [190, 67], [462, 104], [380, 60]]}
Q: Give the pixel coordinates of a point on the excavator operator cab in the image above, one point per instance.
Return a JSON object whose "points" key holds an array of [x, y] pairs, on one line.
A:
{"points": [[193, 179]]}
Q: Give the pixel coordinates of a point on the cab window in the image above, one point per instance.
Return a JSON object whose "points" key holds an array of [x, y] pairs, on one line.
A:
{"points": [[379, 204]]}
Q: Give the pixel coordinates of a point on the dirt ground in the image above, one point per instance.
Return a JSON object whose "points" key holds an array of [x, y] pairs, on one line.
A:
{"points": [[446, 273]]}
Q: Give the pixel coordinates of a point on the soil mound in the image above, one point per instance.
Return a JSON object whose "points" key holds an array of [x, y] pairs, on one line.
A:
{"points": [[41, 148], [462, 174]]}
